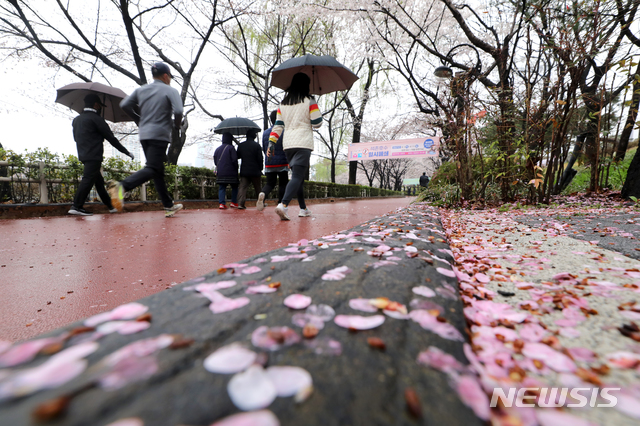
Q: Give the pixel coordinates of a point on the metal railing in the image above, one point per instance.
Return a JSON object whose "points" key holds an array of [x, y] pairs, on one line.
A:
{"points": [[312, 189]]}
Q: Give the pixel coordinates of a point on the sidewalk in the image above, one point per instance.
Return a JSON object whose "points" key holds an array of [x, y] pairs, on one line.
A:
{"points": [[57, 270]]}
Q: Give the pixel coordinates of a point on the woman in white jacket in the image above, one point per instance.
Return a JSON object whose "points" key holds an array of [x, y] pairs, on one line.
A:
{"points": [[299, 115]]}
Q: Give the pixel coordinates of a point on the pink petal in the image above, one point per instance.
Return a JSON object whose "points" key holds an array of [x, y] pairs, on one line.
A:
{"points": [[324, 346], [442, 329], [230, 359], [421, 304], [482, 278], [204, 288], [130, 421], [253, 418], [252, 389], [358, 322], [424, 291], [228, 304], [122, 327], [635, 316], [297, 301], [24, 352], [262, 337], [628, 404], [123, 312], [324, 312], [555, 360], [473, 396], [128, 370], [362, 305], [532, 332], [289, 380], [336, 274], [623, 359], [235, 265], [301, 320], [446, 272], [251, 270], [260, 289], [582, 354], [396, 314], [139, 348], [435, 358]]}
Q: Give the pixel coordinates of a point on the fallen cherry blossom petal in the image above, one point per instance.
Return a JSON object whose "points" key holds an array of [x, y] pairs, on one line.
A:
{"points": [[336, 274], [421, 304], [122, 327], [130, 421], [229, 359], [128, 370], [288, 381], [482, 278], [324, 346], [473, 396], [569, 332], [206, 287], [358, 322], [431, 323], [436, 358], [253, 418], [446, 272], [123, 312], [634, 316], [227, 304], [362, 305], [139, 348], [274, 338], [24, 352], [252, 389], [623, 359], [302, 320], [251, 270], [582, 354], [297, 301], [532, 332], [423, 291], [554, 359], [325, 312], [260, 289], [396, 314], [628, 403]]}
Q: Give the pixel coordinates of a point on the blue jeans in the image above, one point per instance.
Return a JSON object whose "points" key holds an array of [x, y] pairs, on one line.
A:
{"points": [[222, 191]]}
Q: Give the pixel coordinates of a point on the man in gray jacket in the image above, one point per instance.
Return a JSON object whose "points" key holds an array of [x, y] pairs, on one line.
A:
{"points": [[89, 131], [157, 109]]}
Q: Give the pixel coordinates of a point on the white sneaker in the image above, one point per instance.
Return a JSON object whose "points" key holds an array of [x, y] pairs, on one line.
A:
{"points": [[113, 210], [281, 211], [260, 203], [172, 210], [304, 213]]}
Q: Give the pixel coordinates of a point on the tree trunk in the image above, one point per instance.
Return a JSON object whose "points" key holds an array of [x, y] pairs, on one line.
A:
{"points": [[631, 119], [631, 187]]}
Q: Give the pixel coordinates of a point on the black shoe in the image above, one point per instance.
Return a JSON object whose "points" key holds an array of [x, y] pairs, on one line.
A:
{"points": [[79, 211]]}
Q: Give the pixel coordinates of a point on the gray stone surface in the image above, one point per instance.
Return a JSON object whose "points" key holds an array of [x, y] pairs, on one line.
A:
{"points": [[362, 386]]}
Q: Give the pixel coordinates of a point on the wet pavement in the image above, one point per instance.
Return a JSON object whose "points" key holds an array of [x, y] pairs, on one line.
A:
{"points": [[57, 270]]}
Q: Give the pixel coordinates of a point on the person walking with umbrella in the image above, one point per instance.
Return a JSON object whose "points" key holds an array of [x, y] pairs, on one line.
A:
{"points": [[152, 107], [226, 161], [89, 131], [299, 114]]}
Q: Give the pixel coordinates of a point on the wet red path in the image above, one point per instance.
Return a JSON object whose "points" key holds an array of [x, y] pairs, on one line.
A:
{"points": [[54, 271]]}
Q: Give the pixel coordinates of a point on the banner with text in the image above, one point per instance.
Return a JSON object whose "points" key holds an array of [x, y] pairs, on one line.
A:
{"points": [[403, 148]]}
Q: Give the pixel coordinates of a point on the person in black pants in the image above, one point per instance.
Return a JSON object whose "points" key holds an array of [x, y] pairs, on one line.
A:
{"points": [[276, 167], [250, 153], [89, 131]]}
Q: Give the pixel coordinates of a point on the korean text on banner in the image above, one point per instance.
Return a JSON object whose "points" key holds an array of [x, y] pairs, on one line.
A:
{"points": [[404, 148]]}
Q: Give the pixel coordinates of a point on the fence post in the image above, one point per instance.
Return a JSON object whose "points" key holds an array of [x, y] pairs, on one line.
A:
{"points": [[44, 192], [176, 193], [143, 192], [202, 194], [326, 191]]}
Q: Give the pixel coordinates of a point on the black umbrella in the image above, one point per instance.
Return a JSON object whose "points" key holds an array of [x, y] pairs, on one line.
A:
{"points": [[236, 126], [326, 73], [72, 95]]}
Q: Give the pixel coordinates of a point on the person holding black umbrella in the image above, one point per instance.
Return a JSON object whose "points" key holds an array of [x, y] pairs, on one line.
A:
{"points": [[250, 153], [89, 131], [157, 109], [299, 114]]}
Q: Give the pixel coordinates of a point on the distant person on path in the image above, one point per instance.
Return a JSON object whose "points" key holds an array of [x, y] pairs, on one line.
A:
{"points": [[250, 153], [424, 180], [298, 114], [157, 109], [226, 160], [276, 167], [89, 131], [5, 187]]}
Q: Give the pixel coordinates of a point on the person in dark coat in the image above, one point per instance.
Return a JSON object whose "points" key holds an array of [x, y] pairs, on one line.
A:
{"points": [[89, 131], [424, 180], [276, 167], [226, 161], [250, 153]]}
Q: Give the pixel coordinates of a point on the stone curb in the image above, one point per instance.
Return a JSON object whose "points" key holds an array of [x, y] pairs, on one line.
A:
{"points": [[362, 386]]}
